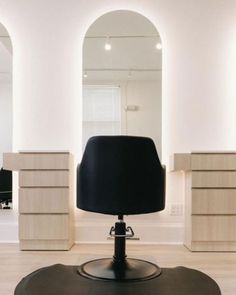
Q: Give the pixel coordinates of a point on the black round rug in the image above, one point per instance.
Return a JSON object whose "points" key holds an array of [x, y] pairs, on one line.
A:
{"points": [[61, 279]]}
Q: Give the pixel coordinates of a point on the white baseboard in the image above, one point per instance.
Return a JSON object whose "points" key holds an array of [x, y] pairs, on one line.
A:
{"points": [[9, 233], [96, 233]]}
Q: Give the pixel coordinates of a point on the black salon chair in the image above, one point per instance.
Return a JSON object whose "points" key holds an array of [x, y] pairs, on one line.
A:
{"points": [[5, 188], [120, 175]]}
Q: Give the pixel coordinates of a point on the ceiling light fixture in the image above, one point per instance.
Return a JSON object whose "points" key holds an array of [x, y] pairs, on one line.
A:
{"points": [[159, 46], [107, 45], [129, 74], [85, 75]]}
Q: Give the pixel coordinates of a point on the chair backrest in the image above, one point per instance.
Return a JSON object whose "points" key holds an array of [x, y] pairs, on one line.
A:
{"points": [[120, 175], [5, 180]]}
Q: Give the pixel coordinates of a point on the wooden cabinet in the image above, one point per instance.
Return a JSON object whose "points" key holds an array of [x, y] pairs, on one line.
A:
{"points": [[45, 198], [210, 199]]}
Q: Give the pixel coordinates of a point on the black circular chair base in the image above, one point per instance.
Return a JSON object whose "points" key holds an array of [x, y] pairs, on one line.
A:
{"points": [[64, 280], [129, 270]]}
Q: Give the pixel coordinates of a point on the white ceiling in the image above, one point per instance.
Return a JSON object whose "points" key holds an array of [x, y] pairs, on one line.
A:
{"points": [[5, 55], [137, 52]]}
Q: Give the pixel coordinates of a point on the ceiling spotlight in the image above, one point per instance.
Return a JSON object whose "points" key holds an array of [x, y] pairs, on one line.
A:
{"points": [[159, 46], [129, 74], [107, 45], [85, 75]]}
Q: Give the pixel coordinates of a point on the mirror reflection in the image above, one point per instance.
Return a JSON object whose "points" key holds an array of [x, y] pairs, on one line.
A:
{"points": [[122, 69], [5, 115]]}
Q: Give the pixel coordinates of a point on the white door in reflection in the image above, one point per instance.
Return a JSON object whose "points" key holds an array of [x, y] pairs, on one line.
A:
{"points": [[101, 111]]}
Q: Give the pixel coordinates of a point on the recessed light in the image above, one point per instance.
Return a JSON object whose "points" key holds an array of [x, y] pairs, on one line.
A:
{"points": [[159, 46], [107, 45], [85, 75]]}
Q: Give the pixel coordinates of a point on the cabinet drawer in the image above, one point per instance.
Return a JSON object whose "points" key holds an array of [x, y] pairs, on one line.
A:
{"points": [[214, 201], [21, 161], [46, 178], [44, 200], [213, 161], [48, 245], [214, 228], [211, 179], [44, 227]]}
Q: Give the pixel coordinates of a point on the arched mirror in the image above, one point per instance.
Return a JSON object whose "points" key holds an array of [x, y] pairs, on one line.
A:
{"points": [[5, 115], [122, 66]]}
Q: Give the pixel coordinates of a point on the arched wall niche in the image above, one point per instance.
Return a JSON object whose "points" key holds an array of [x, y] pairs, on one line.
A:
{"points": [[152, 83], [133, 67]]}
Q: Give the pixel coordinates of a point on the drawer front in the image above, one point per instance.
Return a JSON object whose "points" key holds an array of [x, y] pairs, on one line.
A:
{"points": [[213, 161], [214, 201], [44, 227], [48, 245], [44, 200], [214, 228], [21, 161], [50, 178], [211, 179]]}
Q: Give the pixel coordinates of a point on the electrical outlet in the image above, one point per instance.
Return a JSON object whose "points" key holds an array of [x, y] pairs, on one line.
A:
{"points": [[176, 209]]}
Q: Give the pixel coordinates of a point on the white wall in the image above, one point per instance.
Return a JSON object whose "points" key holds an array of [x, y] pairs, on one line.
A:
{"points": [[199, 70], [5, 118]]}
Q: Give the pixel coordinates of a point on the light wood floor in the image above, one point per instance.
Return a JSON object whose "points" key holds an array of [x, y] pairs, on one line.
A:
{"points": [[15, 264]]}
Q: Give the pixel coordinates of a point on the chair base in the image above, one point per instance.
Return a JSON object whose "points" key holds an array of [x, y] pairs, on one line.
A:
{"points": [[64, 279], [127, 270]]}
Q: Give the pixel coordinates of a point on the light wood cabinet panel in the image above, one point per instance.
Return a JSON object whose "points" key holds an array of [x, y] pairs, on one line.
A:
{"points": [[211, 179], [210, 199], [213, 161], [39, 161], [214, 201], [214, 228], [44, 226], [222, 246], [46, 244], [11, 161], [46, 193], [44, 200], [180, 162], [47, 178]]}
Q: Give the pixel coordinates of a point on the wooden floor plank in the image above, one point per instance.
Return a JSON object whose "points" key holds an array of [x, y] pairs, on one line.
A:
{"points": [[15, 264]]}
